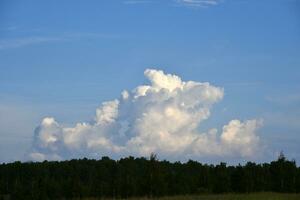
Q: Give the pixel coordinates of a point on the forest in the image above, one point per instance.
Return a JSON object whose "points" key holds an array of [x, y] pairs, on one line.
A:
{"points": [[143, 177]]}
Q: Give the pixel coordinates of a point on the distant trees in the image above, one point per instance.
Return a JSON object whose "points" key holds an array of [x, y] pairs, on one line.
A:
{"points": [[221, 178], [131, 176], [283, 175]]}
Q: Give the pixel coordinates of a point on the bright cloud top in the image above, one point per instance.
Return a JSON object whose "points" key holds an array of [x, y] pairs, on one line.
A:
{"points": [[162, 117]]}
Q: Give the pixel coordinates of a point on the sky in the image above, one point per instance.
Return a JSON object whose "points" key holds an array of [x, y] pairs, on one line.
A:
{"points": [[210, 80]]}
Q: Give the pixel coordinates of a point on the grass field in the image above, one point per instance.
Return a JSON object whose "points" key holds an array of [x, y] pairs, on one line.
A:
{"points": [[253, 196]]}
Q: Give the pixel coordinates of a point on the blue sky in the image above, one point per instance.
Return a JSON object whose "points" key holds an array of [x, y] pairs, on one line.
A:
{"points": [[63, 58]]}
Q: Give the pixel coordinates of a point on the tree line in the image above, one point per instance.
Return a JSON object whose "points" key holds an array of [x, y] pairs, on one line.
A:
{"points": [[133, 177]]}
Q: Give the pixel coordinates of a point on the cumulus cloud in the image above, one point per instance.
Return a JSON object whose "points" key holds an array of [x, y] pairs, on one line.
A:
{"points": [[163, 117]]}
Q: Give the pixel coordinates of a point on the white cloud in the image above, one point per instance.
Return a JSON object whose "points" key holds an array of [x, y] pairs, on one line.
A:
{"points": [[241, 137], [162, 117]]}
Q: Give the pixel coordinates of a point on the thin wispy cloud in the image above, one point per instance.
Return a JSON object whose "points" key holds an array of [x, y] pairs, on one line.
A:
{"points": [[9, 28], [137, 2], [20, 42], [244, 84], [284, 99], [34, 40], [186, 3], [198, 3]]}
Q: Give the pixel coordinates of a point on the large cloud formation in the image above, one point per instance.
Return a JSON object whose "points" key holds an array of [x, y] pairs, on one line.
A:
{"points": [[162, 117]]}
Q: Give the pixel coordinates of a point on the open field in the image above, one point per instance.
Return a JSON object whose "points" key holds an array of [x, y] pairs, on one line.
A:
{"points": [[252, 196]]}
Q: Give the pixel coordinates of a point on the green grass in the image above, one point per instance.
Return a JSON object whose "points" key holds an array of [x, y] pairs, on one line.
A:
{"points": [[252, 196]]}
